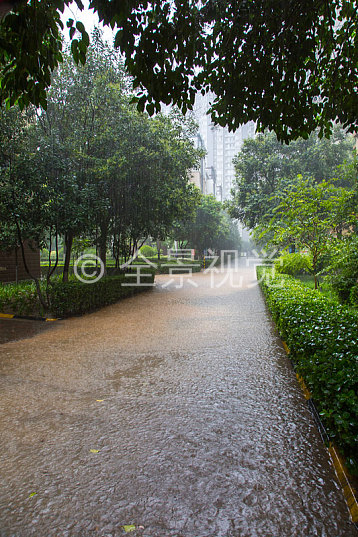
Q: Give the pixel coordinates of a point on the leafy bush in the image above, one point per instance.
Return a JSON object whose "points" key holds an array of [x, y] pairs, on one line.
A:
{"points": [[148, 251], [343, 270], [75, 298], [293, 264], [323, 337], [20, 299], [353, 297]]}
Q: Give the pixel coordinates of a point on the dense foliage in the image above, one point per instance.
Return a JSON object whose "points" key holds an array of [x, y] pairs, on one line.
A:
{"points": [[208, 227], [290, 66], [293, 264], [322, 337], [343, 269], [91, 168], [72, 297], [264, 167], [75, 298], [310, 216]]}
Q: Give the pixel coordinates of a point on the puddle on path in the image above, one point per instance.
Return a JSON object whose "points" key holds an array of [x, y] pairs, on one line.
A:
{"points": [[15, 329]]}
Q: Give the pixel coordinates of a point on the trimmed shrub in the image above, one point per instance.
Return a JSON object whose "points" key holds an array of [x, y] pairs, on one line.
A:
{"points": [[323, 340], [293, 264], [179, 266], [74, 297], [148, 251], [166, 266]]}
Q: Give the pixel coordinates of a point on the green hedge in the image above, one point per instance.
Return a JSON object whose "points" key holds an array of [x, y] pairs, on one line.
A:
{"points": [[323, 340], [73, 297]]}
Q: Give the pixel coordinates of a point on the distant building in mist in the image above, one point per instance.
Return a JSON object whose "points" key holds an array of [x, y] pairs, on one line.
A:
{"points": [[217, 172]]}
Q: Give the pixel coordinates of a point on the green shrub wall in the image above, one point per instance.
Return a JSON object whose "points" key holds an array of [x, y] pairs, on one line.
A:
{"points": [[323, 340], [73, 297]]}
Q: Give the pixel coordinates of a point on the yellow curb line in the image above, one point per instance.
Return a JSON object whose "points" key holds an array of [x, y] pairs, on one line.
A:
{"points": [[26, 317], [344, 481], [337, 461], [304, 388]]}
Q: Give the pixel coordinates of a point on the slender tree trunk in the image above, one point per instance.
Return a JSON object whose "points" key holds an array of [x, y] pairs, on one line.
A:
{"points": [[102, 244], [68, 247], [314, 266], [159, 243], [51, 270], [41, 298]]}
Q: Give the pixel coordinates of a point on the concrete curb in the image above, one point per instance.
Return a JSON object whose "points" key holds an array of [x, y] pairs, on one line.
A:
{"points": [[27, 317], [337, 460]]}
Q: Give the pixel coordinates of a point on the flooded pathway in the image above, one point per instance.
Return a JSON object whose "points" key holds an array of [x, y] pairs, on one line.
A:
{"points": [[176, 411]]}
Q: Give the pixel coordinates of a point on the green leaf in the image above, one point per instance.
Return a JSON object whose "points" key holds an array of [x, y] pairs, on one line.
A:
{"points": [[80, 27]]}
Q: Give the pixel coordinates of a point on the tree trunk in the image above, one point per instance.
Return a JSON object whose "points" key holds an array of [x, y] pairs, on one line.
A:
{"points": [[36, 280], [314, 267], [102, 245], [68, 247], [159, 243]]}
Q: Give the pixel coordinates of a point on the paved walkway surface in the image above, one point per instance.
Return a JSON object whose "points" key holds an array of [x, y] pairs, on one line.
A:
{"points": [[176, 411]]}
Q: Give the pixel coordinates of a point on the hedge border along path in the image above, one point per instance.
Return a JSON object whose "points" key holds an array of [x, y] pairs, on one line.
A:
{"points": [[75, 297], [322, 338]]}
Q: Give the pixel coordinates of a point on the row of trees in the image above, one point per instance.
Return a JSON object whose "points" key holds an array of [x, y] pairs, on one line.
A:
{"points": [[92, 166]]}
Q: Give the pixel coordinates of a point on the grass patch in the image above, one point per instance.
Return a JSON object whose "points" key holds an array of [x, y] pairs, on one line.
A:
{"points": [[324, 288]]}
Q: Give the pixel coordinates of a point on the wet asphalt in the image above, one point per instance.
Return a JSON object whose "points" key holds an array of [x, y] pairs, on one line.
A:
{"points": [[175, 413]]}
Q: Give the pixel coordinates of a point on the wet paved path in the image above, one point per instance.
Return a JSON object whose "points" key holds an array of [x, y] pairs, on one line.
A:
{"points": [[15, 329], [202, 430]]}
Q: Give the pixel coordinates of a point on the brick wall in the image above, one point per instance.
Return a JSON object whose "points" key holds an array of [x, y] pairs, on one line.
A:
{"points": [[9, 261]]}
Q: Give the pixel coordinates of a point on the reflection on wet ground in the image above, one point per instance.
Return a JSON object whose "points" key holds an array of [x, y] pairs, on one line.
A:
{"points": [[194, 417], [15, 329]]}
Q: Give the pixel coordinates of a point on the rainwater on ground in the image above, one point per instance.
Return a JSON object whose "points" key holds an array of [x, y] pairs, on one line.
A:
{"points": [[176, 411], [14, 329]]}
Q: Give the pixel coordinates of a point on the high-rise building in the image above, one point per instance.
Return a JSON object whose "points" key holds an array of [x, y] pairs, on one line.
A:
{"points": [[221, 147]]}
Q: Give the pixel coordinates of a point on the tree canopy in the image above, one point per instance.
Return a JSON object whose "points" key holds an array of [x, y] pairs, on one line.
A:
{"points": [[310, 216], [264, 166], [91, 166], [289, 65], [207, 227]]}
